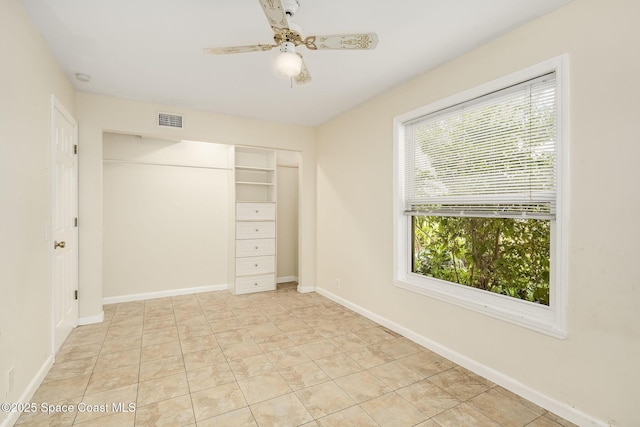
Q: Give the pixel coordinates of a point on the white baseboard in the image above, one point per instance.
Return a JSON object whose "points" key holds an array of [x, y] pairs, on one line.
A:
{"points": [[26, 396], [162, 294], [300, 288], [306, 289], [89, 320], [559, 408]]}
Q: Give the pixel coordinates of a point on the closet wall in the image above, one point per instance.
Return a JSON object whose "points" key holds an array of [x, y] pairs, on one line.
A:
{"points": [[165, 216], [287, 215]]}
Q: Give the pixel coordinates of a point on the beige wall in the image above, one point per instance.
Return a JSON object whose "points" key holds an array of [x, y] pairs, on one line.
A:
{"points": [[595, 370], [100, 113], [165, 216], [29, 76]]}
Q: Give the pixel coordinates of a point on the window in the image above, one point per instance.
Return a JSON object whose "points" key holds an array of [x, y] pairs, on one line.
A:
{"points": [[478, 213]]}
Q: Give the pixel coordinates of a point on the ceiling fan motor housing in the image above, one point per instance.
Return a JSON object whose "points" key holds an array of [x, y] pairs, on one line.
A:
{"points": [[287, 47], [290, 7]]}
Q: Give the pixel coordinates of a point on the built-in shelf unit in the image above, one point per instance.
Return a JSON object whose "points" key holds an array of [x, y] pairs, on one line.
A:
{"points": [[253, 244]]}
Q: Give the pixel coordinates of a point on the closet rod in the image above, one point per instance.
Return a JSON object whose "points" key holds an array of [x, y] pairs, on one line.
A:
{"points": [[133, 162]]}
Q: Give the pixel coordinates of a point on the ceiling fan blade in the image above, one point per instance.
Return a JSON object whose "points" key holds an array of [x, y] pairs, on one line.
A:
{"points": [[238, 49], [275, 14], [342, 41], [304, 76]]}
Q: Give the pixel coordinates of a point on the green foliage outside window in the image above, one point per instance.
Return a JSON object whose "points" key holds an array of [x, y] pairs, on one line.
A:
{"points": [[503, 255]]}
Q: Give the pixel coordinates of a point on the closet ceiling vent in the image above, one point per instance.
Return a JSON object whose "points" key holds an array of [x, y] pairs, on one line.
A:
{"points": [[170, 120]]}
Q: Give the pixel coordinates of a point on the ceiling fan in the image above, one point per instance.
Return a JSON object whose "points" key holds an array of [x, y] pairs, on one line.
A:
{"points": [[286, 36]]}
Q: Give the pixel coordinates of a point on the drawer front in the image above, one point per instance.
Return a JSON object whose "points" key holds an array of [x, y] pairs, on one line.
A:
{"points": [[255, 211], [255, 265], [256, 230], [255, 247], [265, 282]]}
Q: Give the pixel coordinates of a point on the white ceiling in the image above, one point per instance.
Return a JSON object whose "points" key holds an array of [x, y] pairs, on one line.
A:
{"points": [[151, 50]]}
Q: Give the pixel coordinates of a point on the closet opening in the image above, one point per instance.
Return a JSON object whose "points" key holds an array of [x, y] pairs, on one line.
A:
{"points": [[167, 209]]}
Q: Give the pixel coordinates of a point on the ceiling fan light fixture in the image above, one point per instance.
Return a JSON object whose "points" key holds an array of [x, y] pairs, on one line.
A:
{"points": [[288, 63]]}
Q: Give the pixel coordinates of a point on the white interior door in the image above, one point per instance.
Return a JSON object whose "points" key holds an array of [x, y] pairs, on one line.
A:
{"points": [[64, 231]]}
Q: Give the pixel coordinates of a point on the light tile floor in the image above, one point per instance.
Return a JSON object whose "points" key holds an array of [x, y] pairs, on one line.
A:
{"points": [[269, 359]]}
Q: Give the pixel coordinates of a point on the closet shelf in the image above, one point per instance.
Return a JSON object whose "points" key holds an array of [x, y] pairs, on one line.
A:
{"points": [[255, 183], [254, 168]]}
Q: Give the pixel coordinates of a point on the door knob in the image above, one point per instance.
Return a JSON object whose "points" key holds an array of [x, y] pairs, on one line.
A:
{"points": [[57, 245]]}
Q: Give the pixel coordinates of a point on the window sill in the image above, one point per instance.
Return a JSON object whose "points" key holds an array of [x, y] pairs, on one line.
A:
{"points": [[533, 316]]}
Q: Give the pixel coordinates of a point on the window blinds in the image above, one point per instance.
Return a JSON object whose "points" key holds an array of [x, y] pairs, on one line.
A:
{"points": [[491, 156]]}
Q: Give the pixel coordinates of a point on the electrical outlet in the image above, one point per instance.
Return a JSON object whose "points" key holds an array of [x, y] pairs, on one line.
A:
{"points": [[338, 283], [11, 380]]}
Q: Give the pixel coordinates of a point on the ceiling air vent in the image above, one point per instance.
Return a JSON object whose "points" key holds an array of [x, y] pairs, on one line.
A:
{"points": [[170, 120]]}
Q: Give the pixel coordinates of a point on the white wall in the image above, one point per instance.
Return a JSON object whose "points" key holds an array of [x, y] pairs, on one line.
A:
{"points": [[98, 113], [29, 76], [165, 216], [593, 374]]}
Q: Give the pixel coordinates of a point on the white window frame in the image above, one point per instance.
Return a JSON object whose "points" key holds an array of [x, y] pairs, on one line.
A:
{"points": [[551, 319]]}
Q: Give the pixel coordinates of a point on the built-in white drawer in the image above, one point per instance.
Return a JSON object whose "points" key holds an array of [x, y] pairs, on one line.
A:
{"points": [[255, 247], [256, 230], [265, 282], [255, 265], [255, 211]]}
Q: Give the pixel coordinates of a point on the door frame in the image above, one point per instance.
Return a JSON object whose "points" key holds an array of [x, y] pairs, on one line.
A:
{"points": [[56, 105]]}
